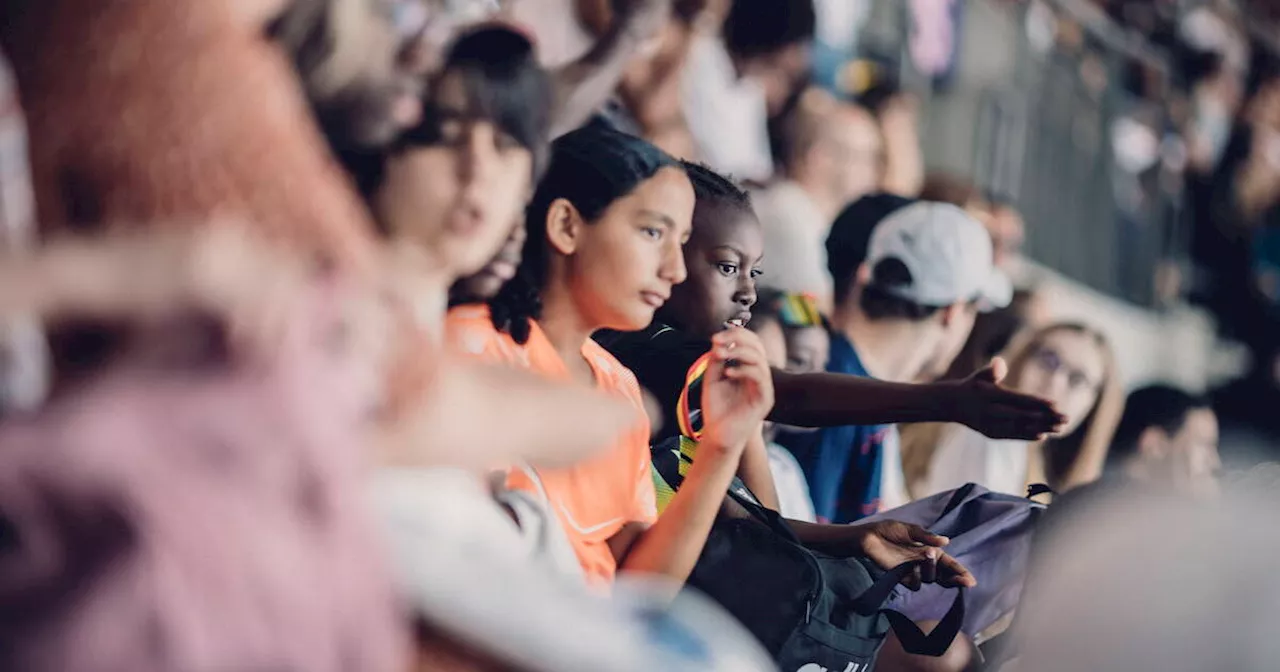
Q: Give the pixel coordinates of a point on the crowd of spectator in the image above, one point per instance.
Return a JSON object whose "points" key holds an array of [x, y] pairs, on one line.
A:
{"points": [[505, 335]]}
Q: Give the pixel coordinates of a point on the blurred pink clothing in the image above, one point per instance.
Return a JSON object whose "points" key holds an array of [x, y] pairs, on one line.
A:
{"points": [[192, 517]]}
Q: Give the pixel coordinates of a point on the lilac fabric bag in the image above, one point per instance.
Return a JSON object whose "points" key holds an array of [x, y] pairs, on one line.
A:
{"points": [[991, 534]]}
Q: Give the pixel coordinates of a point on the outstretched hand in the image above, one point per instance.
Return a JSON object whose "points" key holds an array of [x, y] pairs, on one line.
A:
{"points": [[890, 543], [983, 405]]}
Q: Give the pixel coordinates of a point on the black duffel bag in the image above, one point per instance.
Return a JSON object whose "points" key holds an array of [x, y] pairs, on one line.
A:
{"points": [[812, 612]]}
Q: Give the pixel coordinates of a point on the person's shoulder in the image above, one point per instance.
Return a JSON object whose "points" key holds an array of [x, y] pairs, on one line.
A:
{"points": [[611, 371], [657, 342], [470, 331], [844, 357], [469, 326], [468, 314]]}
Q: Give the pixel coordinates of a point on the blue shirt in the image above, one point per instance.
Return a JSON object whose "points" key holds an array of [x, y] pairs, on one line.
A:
{"points": [[841, 464]]}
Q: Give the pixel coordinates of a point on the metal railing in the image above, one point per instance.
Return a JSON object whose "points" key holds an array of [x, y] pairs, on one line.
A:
{"points": [[1043, 139]]}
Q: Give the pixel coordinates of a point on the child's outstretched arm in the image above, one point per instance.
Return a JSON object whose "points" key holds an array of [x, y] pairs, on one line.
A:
{"points": [[832, 399]]}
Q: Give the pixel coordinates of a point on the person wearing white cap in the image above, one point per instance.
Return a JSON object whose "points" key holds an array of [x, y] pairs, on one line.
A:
{"points": [[910, 305]]}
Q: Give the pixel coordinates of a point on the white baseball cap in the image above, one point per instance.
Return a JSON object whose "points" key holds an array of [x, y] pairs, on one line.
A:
{"points": [[947, 252]]}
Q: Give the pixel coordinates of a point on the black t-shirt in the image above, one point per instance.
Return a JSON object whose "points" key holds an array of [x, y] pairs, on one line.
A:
{"points": [[660, 356]]}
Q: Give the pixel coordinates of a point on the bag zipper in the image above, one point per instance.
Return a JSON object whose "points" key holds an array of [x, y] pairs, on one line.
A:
{"points": [[817, 581]]}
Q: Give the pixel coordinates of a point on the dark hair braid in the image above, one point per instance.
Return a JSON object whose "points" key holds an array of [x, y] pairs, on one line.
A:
{"points": [[708, 185]]}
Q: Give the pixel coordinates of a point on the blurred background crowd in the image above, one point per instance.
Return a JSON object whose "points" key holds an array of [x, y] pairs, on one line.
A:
{"points": [[265, 257]]}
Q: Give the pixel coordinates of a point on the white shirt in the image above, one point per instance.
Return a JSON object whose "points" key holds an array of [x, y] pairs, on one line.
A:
{"points": [[893, 484], [794, 502], [727, 115], [795, 240], [965, 456]]}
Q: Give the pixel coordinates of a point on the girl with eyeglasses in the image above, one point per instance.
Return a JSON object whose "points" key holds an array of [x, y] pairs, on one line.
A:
{"points": [[1071, 365]]}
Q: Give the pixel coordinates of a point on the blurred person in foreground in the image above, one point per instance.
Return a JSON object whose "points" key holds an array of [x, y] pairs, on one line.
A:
{"points": [[197, 472], [1070, 364], [350, 71], [1166, 447], [185, 151], [1205, 604], [833, 156]]}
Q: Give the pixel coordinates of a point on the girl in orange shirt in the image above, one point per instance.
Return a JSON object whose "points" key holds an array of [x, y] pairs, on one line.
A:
{"points": [[606, 229]]}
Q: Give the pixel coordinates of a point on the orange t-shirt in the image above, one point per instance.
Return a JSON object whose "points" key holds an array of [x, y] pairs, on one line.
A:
{"points": [[596, 498]]}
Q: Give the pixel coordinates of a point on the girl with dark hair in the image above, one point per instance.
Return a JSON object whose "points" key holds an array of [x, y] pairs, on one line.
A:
{"points": [[446, 194], [451, 191], [723, 257], [485, 283], [604, 251], [453, 185]]}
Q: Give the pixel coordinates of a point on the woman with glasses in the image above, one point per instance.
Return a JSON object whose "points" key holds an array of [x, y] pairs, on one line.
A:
{"points": [[1072, 366]]}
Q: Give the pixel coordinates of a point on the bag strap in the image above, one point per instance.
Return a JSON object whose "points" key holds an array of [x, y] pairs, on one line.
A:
{"points": [[912, 638], [936, 643], [957, 498], [869, 603], [1036, 489], [740, 493]]}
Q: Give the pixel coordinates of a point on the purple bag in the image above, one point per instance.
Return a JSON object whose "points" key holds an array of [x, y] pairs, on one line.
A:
{"points": [[990, 533]]}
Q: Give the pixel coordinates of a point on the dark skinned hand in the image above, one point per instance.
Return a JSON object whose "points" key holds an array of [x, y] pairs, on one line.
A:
{"points": [[890, 543], [981, 403]]}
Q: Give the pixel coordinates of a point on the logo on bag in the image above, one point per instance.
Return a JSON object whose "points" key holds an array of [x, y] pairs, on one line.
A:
{"points": [[853, 667]]}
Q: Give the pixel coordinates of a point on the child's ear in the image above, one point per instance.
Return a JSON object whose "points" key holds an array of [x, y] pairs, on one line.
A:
{"points": [[564, 226]]}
